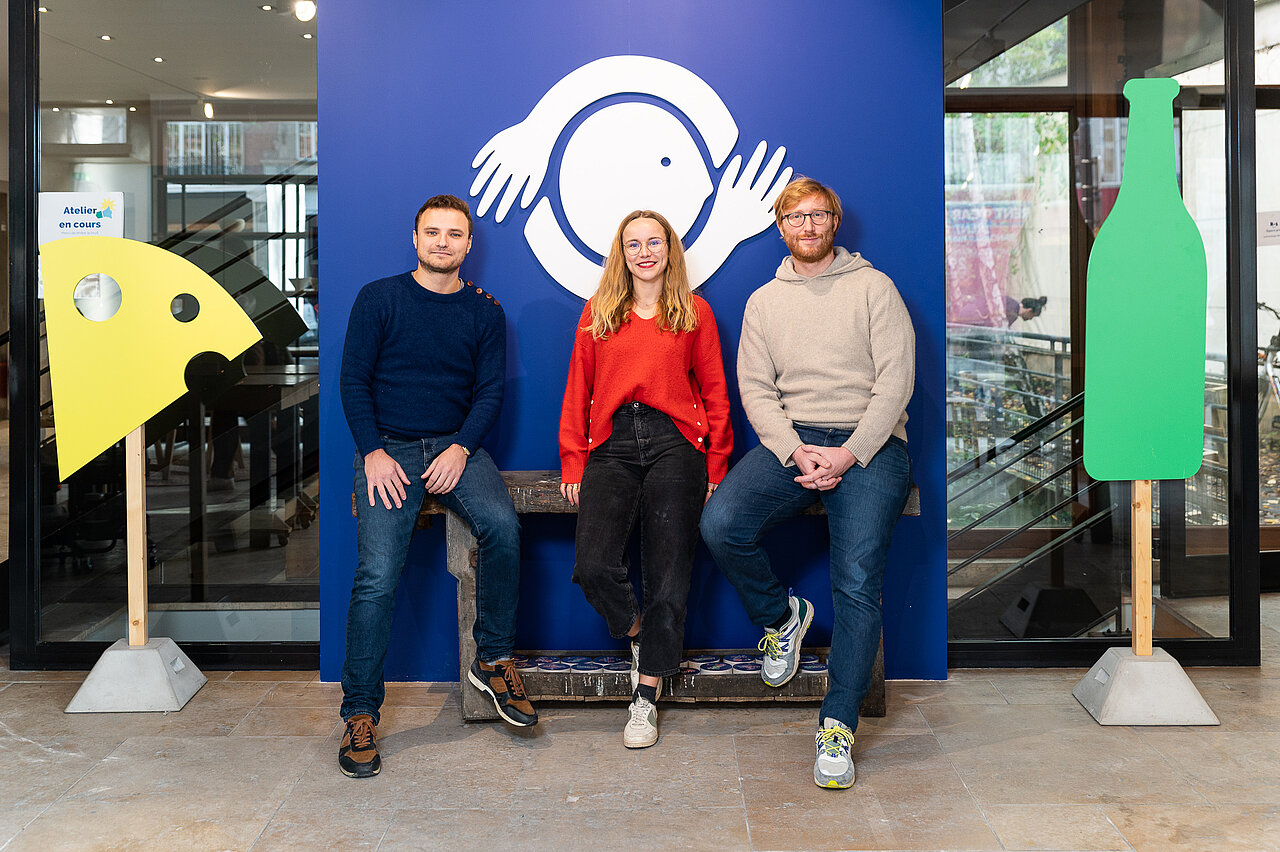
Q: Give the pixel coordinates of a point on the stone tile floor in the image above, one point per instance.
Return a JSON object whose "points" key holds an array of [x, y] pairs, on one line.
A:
{"points": [[990, 759]]}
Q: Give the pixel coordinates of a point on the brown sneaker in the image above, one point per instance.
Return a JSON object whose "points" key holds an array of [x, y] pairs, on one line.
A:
{"points": [[501, 682], [358, 756]]}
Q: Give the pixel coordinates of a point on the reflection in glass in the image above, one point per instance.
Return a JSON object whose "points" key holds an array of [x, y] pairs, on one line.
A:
{"points": [[1036, 548], [97, 297], [233, 465]]}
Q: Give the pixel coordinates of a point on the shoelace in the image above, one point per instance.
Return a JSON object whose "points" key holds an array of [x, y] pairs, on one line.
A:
{"points": [[512, 678], [770, 645], [362, 734], [834, 742], [640, 711]]}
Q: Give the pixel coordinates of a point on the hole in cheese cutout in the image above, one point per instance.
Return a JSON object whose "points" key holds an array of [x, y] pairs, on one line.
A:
{"points": [[184, 307], [109, 377], [97, 297]]}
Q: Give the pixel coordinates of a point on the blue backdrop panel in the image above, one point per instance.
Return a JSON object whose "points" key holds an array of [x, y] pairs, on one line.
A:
{"points": [[410, 93]]}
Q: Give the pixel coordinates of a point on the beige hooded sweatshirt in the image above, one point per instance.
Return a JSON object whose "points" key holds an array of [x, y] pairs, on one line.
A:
{"points": [[836, 351]]}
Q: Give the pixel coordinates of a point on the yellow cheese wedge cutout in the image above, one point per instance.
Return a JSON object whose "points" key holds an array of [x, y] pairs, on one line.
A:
{"points": [[109, 377]]}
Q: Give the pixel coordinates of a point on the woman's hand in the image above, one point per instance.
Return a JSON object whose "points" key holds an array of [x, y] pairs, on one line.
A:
{"points": [[570, 491], [711, 487]]}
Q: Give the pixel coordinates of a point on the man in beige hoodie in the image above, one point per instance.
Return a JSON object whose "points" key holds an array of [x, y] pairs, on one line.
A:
{"points": [[826, 365]]}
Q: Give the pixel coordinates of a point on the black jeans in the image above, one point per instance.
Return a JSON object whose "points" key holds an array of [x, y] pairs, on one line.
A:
{"points": [[646, 469]]}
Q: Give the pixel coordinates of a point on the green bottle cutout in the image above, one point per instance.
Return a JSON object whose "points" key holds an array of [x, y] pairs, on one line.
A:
{"points": [[1145, 311]]}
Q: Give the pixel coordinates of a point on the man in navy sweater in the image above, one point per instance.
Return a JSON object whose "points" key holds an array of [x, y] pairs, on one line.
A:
{"points": [[423, 370]]}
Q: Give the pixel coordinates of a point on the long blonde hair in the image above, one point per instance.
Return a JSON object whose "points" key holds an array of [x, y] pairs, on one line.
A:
{"points": [[611, 306]]}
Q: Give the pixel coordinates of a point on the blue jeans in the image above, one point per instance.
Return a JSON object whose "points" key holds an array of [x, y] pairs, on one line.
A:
{"points": [[759, 493], [382, 543]]}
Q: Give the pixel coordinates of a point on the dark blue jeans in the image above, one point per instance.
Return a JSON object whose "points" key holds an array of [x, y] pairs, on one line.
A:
{"points": [[648, 470], [759, 493], [382, 543]]}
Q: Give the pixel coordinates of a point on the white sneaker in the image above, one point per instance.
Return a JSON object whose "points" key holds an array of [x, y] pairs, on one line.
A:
{"points": [[833, 768], [635, 665], [642, 724]]}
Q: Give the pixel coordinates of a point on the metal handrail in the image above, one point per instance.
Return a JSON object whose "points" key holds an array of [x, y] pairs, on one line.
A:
{"points": [[1020, 496], [1016, 438], [1075, 495]]}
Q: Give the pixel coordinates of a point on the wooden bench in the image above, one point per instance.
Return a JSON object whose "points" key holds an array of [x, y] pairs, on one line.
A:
{"points": [[538, 492]]}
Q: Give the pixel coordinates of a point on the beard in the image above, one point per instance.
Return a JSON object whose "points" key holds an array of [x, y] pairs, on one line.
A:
{"points": [[812, 253], [431, 264]]}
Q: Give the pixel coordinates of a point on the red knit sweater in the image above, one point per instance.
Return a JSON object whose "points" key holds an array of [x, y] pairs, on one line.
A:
{"points": [[680, 374]]}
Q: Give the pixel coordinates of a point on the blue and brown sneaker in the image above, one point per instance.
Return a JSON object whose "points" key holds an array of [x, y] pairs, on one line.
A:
{"points": [[782, 647], [358, 755], [833, 768], [501, 682]]}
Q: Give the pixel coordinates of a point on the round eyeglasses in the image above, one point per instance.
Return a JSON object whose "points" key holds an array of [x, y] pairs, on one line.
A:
{"points": [[655, 245], [796, 220]]}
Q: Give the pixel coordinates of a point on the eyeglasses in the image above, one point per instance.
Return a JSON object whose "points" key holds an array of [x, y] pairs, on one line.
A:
{"points": [[655, 245], [796, 220]]}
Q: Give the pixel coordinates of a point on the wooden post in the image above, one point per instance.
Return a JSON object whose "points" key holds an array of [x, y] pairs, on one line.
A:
{"points": [[135, 495], [1140, 567]]}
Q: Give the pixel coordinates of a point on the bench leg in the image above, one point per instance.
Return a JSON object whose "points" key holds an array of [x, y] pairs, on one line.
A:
{"points": [[461, 556], [873, 701]]}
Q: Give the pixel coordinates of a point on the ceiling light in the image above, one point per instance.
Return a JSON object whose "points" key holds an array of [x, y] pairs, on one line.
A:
{"points": [[304, 10], [307, 35], [110, 101], [158, 59], [265, 8], [42, 9], [56, 109], [105, 37], [208, 110], [133, 109]]}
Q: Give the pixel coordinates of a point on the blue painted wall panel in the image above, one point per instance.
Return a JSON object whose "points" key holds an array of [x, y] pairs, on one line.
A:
{"points": [[411, 90]]}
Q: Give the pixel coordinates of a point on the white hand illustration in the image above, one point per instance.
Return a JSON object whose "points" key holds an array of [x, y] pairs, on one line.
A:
{"points": [[742, 208], [517, 157]]}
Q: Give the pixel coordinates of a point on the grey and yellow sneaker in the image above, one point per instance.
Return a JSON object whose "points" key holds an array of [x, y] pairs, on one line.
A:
{"points": [[782, 647], [833, 768], [642, 724]]}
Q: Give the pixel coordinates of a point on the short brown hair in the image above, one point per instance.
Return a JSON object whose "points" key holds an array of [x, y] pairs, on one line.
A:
{"points": [[803, 187], [444, 202]]}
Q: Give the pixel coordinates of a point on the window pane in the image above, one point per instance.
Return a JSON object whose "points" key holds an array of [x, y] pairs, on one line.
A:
{"points": [[232, 470]]}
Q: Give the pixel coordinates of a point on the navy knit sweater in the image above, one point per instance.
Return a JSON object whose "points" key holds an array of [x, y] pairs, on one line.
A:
{"points": [[418, 364]]}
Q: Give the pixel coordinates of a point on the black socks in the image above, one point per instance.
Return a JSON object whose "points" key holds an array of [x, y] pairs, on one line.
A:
{"points": [[647, 692]]}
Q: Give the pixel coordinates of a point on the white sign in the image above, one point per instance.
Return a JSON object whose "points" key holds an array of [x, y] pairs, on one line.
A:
{"points": [[1269, 228], [79, 214], [628, 156]]}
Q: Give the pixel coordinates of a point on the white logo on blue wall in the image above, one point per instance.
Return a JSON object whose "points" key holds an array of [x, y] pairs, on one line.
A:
{"points": [[624, 157]]}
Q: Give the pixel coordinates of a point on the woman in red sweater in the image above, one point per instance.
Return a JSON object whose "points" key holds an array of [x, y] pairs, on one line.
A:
{"points": [[644, 433]]}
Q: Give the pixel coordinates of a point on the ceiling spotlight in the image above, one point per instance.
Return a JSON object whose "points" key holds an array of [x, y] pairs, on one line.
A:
{"points": [[158, 59], [110, 101], [57, 109], [105, 37], [42, 9], [208, 110], [266, 8], [304, 10], [133, 109], [307, 35]]}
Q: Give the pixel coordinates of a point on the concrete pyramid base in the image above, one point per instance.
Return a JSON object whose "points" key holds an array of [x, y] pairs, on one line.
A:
{"points": [[149, 678], [1125, 689]]}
